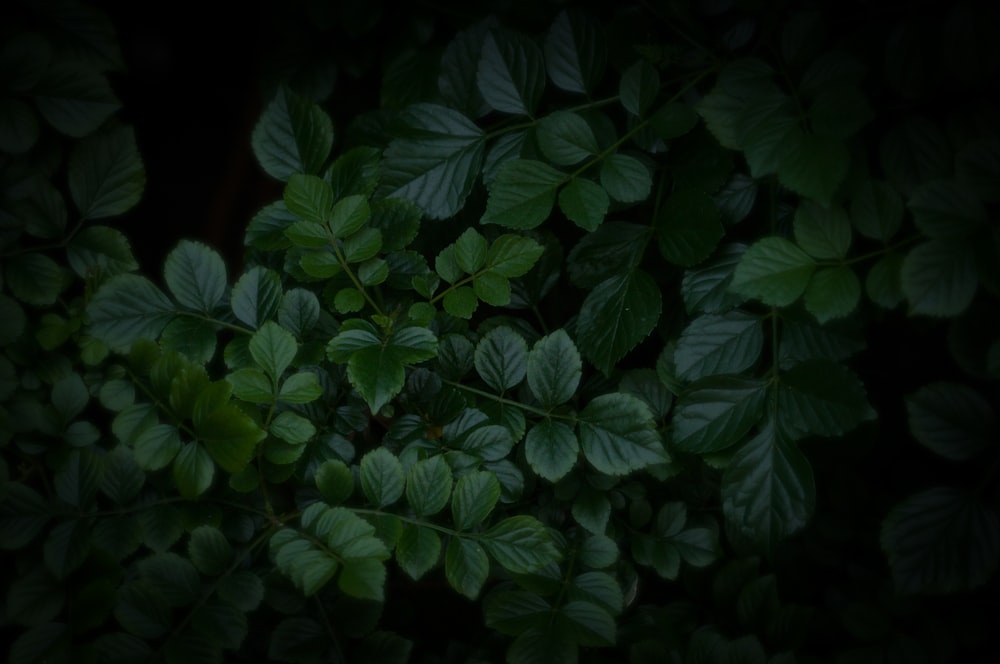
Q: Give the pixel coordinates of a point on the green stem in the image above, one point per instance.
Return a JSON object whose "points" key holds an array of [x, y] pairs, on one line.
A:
{"points": [[354, 279], [510, 402], [410, 520], [160, 405], [215, 321]]}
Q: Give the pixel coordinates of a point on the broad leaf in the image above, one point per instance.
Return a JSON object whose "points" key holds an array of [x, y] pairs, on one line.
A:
{"points": [[459, 68], [474, 497], [714, 413], [256, 297], [706, 289], [833, 292], [616, 315], [565, 138], [106, 174], [428, 486], [813, 166], [551, 449], [126, 308], [688, 227], [522, 194], [946, 209], [553, 369], [625, 178], [309, 197], [618, 435], [952, 420], [718, 344], [466, 566], [417, 550], [74, 98], [510, 75], [774, 271], [273, 348], [768, 492], [512, 255], [435, 162], [939, 278], [821, 232], [520, 544], [821, 397], [382, 477], [576, 51], [639, 85], [193, 470], [292, 136], [584, 202], [196, 276], [35, 278], [501, 358]]}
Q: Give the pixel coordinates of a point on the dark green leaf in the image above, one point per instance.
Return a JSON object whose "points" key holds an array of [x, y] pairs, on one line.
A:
{"points": [[822, 232], [273, 348], [952, 420], [74, 98], [522, 194], [23, 514], [718, 344], [638, 88], [209, 550], [552, 449], [297, 639], [501, 358], [520, 544], [773, 270], [616, 315], [196, 275], [946, 209], [588, 624], [382, 477], [267, 228], [309, 197], [19, 127], [510, 74], [460, 302], [876, 210], [813, 166], [417, 550], [251, 385], [466, 566], [292, 136], [565, 138], [35, 279], [257, 296], [514, 611], [625, 178], [335, 481], [584, 202], [553, 369], [714, 413], [592, 510], [349, 214], [598, 552], [610, 250], [35, 598], [459, 66], [106, 174], [939, 278], [942, 540], [428, 486], [229, 434], [673, 119], [363, 578], [436, 162], [884, 283], [474, 497], [914, 151], [618, 435], [157, 446], [821, 397], [576, 51], [839, 111], [77, 482], [292, 428], [66, 547], [470, 251], [512, 255], [302, 387], [833, 292], [688, 227], [706, 289], [102, 250], [768, 491]]}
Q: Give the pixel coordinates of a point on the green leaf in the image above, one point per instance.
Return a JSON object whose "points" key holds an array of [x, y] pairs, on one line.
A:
{"points": [[946, 209], [230, 435], [309, 197], [273, 348], [625, 178], [592, 510], [243, 589], [375, 366], [688, 227], [522, 194], [460, 302], [417, 550], [122, 479], [718, 344], [822, 232], [470, 251], [618, 435], [510, 75], [435, 162], [292, 136], [459, 67], [673, 119], [299, 311], [428, 486], [768, 492], [221, 624], [267, 228], [715, 413], [616, 315], [466, 566], [706, 289], [292, 428], [639, 85], [821, 397], [74, 98], [551, 449], [66, 547], [774, 271], [565, 138], [209, 550], [584, 202], [876, 210], [492, 288], [588, 624], [12, 319], [474, 497], [363, 578], [512, 255], [614, 248], [553, 369], [833, 292], [942, 540], [35, 598], [23, 514], [193, 470], [102, 250], [349, 215], [302, 387], [196, 275], [939, 278], [520, 544], [335, 481], [77, 482], [884, 283], [35, 278], [251, 385], [763, 127], [598, 552], [382, 477], [157, 446], [952, 420], [106, 174], [363, 245], [576, 51], [813, 166], [19, 127], [501, 358], [297, 639], [257, 296]]}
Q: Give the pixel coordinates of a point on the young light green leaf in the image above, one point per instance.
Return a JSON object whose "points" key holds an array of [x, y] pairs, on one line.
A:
{"points": [[292, 136], [474, 497], [520, 544], [952, 420], [428, 486], [625, 178], [193, 470], [551, 449], [618, 435], [382, 477], [523, 193], [502, 358], [821, 397], [714, 413], [576, 51], [616, 315], [565, 138], [196, 275], [718, 344], [510, 74], [822, 232], [768, 491], [553, 369], [638, 88], [106, 174], [833, 292], [417, 550], [257, 296], [688, 227], [273, 348], [942, 540], [436, 162], [938, 278], [584, 202], [466, 566], [774, 271]]}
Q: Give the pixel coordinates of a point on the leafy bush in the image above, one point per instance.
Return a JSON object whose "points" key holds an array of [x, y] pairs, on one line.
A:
{"points": [[555, 358]]}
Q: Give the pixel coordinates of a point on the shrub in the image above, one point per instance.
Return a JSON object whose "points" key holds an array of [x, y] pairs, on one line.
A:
{"points": [[597, 341]]}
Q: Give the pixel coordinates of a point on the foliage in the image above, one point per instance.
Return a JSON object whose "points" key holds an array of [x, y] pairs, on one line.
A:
{"points": [[572, 332]]}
